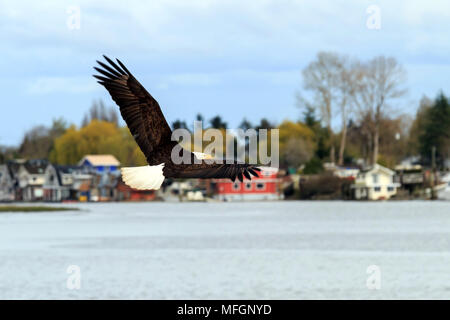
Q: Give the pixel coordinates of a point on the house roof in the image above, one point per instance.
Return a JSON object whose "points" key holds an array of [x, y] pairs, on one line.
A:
{"points": [[4, 167], [36, 166], [69, 169], [101, 160], [378, 167], [13, 167], [65, 169]]}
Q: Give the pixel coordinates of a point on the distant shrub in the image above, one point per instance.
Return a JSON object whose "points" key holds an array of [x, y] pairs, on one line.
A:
{"points": [[325, 186], [313, 166]]}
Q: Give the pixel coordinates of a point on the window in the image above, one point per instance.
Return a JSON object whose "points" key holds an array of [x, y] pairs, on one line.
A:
{"points": [[248, 186], [236, 186], [375, 177], [377, 189], [260, 186], [390, 189]]}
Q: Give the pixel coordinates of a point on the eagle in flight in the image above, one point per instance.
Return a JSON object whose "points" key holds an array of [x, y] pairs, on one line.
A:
{"points": [[149, 128]]}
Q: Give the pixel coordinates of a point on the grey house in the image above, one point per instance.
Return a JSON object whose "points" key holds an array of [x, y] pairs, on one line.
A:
{"points": [[30, 178], [60, 182], [7, 190]]}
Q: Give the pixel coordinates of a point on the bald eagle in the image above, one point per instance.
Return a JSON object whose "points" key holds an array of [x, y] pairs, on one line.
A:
{"points": [[149, 128]]}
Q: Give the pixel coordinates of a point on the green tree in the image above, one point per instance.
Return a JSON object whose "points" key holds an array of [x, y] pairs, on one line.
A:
{"points": [[178, 124], [245, 125], [436, 131], [217, 122]]}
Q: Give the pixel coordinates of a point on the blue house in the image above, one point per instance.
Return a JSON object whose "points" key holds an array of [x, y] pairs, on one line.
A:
{"points": [[101, 163]]}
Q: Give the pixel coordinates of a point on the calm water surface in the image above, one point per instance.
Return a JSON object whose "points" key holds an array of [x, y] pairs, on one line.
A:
{"points": [[271, 250]]}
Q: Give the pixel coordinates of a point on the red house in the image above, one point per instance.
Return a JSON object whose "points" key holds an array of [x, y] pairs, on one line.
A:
{"points": [[125, 193], [265, 187]]}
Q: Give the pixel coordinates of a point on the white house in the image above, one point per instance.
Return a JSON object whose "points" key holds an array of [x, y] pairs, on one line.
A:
{"points": [[376, 183], [443, 190]]}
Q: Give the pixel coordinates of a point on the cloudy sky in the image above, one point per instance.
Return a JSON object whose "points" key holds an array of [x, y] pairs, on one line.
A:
{"points": [[236, 58]]}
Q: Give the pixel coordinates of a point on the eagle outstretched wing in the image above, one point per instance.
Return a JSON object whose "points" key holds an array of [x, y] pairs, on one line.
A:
{"points": [[151, 131], [138, 108]]}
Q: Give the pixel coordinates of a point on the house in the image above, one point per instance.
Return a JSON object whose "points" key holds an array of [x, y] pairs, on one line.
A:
{"points": [[30, 180], [59, 180], [100, 162], [81, 186], [375, 183], [103, 186], [178, 190], [125, 193], [409, 176], [13, 169], [6, 184], [264, 187]]}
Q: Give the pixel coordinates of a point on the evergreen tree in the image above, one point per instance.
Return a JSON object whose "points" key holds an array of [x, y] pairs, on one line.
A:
{"points": [[436, 131]]}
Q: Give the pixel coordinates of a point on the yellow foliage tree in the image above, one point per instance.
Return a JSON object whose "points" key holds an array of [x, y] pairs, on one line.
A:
{"points": [[296, 143], [65, 149], [98, 137]]}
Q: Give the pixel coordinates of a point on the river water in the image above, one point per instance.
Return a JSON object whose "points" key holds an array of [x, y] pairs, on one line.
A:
{"points": [[251, 250]]}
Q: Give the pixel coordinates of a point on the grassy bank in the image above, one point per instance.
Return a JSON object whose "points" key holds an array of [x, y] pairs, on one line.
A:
{"points": [[34, 209]]}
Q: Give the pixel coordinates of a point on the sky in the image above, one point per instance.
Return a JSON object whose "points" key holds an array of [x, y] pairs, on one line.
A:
{"points": [[235, 58]]}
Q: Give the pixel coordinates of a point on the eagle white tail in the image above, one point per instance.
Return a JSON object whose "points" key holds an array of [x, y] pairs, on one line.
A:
{"points": [[144, 178]]}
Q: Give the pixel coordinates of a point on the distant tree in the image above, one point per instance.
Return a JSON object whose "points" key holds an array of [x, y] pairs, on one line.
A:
{"points": [[320, 78], [348, 78], [199, 117], [98, 137], [66, 149], [265, 124], [296, 142], [39, 140], [332, 79], [436, 131], [309, 117], [59, 126], [217, 122], [178, 124], [98, 111], [418, 126], [381, 80], [313, 166], [36, 143], [393, 139], [245, 125], [7, 153], [321, 134]]}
